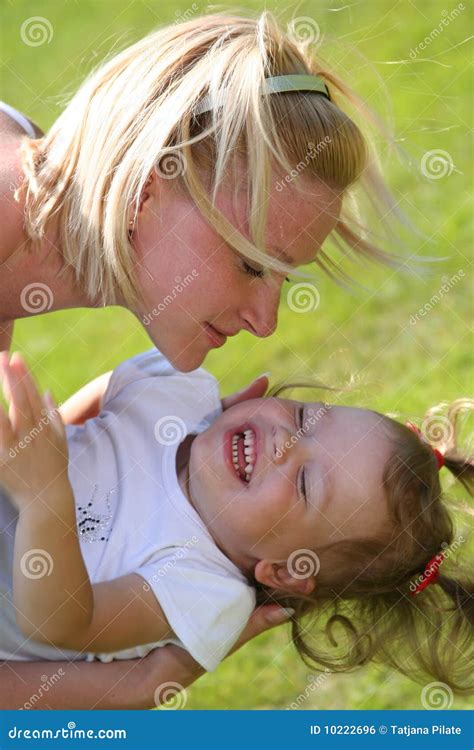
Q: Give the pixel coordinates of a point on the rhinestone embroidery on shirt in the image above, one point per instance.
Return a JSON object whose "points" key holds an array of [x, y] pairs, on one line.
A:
{"points": [[94, 527]]}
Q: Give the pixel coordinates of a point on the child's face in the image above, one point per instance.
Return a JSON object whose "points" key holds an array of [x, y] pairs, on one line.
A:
{"points": [[316, 478]]}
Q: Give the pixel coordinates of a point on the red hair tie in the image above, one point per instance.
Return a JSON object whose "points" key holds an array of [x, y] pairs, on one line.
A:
{"points": [[437, 453], [431, 573]]}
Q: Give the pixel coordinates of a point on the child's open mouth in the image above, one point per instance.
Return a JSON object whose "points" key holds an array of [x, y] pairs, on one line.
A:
{"points": [[244, 453]]}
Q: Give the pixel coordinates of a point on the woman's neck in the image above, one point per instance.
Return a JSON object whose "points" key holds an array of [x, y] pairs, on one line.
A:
{"points": [[22, 269], [30, 282]]}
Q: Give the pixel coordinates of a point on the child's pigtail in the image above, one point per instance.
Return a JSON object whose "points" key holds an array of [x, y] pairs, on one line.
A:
{"points": [[461, 593], [442, 432]]}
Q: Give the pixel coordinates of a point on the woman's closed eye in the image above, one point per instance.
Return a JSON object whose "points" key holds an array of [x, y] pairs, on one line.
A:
{"points": [[258, 273]]}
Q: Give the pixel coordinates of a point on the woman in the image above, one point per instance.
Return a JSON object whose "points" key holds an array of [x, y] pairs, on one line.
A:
{"points": [[111, 207]]}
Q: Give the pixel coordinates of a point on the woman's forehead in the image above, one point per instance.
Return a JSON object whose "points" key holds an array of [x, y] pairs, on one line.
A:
{"points": [[299, 222]]}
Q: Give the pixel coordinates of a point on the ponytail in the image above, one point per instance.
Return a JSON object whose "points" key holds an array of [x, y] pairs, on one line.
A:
{"points": [[441, 432]]}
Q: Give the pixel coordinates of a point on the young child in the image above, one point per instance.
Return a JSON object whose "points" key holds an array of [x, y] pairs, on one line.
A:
{"points": [[172, 518]]}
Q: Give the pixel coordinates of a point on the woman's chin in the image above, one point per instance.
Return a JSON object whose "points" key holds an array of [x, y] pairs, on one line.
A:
{"points": [[185, 359]]}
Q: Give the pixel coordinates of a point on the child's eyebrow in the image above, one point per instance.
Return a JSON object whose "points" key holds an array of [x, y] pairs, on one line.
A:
{"points": [[316, 410]]}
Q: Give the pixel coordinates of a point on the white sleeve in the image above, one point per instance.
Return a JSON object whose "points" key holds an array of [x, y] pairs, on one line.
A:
{"points": [[206, 607], [148, 364]]}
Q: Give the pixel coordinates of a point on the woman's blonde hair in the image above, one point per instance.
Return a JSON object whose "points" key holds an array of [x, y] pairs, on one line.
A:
{"points": [[363, 607], [138, 112]]}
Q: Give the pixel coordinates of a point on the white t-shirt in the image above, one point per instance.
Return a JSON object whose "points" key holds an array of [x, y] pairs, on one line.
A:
{"points": [[133, 517]]}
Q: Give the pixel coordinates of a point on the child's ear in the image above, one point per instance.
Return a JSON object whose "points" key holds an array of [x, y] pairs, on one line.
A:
{"points": [[275, 574]]}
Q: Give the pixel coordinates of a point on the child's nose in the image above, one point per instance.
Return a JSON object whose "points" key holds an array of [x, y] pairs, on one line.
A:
{"points": [[284, 443]]}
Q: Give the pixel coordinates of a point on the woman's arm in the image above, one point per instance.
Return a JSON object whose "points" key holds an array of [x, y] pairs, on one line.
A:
{"points": [[86, 403], [131, 684], [126, 684]]}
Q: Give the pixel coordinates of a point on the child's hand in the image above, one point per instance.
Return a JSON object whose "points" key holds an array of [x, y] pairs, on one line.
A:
{"points": [[33, 446]]}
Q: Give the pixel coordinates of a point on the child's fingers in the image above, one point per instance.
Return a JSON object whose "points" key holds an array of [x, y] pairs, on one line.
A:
{"points": [[20, 412], [32, 392], [54, 415], [4, 357], [7, 436]]}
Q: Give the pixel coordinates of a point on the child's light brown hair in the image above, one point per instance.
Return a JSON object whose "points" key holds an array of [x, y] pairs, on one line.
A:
{"points": [[363, 608], [138, 109]]}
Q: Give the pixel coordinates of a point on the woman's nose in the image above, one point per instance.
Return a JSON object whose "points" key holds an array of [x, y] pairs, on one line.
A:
{"points": [[260, 311]]}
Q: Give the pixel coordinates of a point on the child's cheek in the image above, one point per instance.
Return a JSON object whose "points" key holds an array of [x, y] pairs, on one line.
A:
{"points": [[274, 499]]}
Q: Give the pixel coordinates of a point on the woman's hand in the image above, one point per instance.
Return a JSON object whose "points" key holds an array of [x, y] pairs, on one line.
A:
{"points": [[256, 389], [33, 446], [172, 664]]}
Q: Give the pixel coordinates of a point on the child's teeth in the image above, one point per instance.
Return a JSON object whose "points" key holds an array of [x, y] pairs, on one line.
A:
{"points": [[249, 452]]}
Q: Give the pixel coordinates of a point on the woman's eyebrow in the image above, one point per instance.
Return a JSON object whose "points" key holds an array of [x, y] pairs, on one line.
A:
{"points": [[283, 255]]}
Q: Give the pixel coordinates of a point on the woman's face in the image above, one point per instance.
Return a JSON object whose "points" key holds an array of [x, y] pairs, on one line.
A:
{"points": [[196, 291], [316, 477]]}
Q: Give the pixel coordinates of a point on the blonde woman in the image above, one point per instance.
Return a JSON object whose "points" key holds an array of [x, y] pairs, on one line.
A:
{"points": [[186, 178]]}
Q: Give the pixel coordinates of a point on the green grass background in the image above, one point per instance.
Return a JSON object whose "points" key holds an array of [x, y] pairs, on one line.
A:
{"points": [[398, 367]]}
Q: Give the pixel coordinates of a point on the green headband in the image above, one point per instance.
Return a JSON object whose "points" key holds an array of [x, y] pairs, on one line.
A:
{"points": [[280, 84]]}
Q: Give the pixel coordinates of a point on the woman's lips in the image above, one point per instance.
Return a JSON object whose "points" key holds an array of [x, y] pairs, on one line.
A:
{"points": [[217, 338]]}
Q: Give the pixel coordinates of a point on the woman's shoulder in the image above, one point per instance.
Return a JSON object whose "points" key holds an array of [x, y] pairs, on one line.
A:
{"points": [[11, 175], [9, 126]]}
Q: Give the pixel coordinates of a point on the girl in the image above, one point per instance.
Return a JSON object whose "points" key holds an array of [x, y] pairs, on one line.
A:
{"points": [[177, 518]]}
